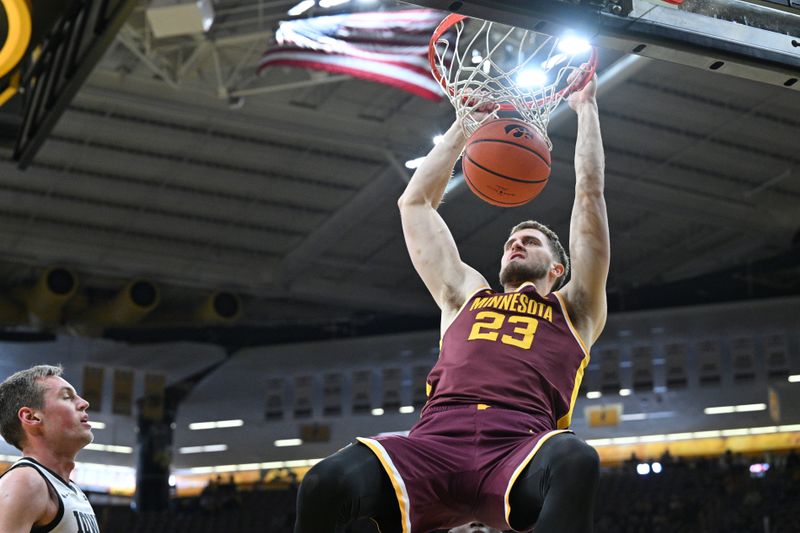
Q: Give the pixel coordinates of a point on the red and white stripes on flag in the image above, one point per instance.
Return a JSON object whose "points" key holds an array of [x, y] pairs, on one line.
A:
{"points": [[387, 47]]}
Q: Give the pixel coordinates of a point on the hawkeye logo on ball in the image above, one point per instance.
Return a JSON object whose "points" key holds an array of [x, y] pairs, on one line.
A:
{"points": [[515, 130]]}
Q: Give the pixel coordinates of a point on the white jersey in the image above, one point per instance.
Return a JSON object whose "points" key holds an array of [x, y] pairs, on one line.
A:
{"points": [[75, 513]]}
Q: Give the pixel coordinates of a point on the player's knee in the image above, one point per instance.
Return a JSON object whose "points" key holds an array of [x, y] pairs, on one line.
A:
{"points": [[577, 458], [325, 482]]}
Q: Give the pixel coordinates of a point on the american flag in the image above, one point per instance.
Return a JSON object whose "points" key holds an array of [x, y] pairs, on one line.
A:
{"points": [[387, 47]]}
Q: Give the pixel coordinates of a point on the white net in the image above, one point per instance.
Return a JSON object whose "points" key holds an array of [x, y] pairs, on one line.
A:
{"points": [[479, 62]]}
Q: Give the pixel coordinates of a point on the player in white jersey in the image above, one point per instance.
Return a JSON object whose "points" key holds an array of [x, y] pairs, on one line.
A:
{"points": [[43, 416]]}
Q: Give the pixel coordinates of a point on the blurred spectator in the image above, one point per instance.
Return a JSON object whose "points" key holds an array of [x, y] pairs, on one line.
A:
{"points": [[704, 496]]}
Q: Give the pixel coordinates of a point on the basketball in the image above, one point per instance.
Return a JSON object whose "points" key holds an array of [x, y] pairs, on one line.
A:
{"points": [[506, 162]]}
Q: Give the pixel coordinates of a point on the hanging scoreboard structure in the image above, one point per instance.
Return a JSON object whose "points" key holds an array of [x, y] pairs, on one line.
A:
{"points": [[49, 47], [753, 39]]}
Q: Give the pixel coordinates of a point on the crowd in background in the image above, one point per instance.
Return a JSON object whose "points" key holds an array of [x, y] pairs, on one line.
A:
{"points": [[726, 494]]}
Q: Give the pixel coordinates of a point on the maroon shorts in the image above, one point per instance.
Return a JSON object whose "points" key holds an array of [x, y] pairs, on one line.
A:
{"points": [[458, 464]]}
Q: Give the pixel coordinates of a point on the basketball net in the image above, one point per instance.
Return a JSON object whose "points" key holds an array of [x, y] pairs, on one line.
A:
{"points": [[480, 64]]}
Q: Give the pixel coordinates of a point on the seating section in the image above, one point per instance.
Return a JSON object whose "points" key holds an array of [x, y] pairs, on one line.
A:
{"points": [[703, 496]]}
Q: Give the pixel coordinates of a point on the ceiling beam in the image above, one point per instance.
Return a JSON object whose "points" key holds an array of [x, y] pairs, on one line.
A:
{"points": [[294, 124], [362, 296], [297, 262]]}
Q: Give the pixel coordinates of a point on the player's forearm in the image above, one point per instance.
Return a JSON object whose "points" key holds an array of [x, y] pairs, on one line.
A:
{"points": [[428, 183], [589, 235], [589, 157]]}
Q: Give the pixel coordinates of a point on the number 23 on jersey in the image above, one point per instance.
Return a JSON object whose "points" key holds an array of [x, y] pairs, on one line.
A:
{"points": [[488, 323]]}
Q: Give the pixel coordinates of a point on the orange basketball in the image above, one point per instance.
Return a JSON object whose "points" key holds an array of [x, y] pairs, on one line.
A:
{"points": [[506, 162]]}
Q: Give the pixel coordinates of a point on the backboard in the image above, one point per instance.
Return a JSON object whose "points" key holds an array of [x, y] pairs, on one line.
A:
{"points": [[753, 39]]}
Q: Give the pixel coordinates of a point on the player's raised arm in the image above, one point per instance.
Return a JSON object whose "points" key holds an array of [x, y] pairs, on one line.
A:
{"points": [[430, 243], [588, 237]]}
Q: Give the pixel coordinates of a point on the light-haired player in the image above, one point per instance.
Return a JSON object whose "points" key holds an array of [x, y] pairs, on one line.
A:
{"points": [[492, 443], [43, 416]]}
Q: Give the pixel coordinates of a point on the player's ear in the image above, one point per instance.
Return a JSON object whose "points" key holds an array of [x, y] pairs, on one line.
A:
{"points": [[28, 416], [557, 269]]}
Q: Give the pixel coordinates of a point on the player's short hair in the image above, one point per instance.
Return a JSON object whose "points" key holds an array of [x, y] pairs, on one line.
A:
{"points": [[22, 389], [555, 246]]}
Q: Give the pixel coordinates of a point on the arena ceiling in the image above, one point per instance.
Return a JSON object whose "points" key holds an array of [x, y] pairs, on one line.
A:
{"points": [[176, 163]]}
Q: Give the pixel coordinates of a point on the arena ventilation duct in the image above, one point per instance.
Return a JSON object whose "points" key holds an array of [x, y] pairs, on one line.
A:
{"points": [[130, 305], [11, 312], [48, 296], [219, 308]]}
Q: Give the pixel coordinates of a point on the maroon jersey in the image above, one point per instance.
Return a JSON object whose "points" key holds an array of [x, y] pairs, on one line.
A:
{"points": [[516, 350]]}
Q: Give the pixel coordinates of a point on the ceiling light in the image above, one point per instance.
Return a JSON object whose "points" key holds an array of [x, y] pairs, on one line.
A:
{"points": [[744, 408], [283, 443], [794, 378], [633, 416], [707, 434], [377, 411], [108, 448], [572, 44], [531, 78], [216, 424], [203, 449], [751, 407], [301, 8], [735, 432], [332, 3], [719, 410], [594, 394], [624, 392], [476, 56], [97, 425], [407, 409]]}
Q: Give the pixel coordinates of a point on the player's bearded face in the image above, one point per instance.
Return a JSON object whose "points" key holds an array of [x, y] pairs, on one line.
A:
{"points": [[516, 273]]}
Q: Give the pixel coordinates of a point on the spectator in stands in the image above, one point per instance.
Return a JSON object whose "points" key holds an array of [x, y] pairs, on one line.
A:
{"points": [[209, 499], [793, 462], [228, 494]]}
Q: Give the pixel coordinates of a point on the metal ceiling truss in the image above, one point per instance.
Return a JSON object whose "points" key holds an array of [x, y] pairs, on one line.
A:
{"points": [[178, 61]]}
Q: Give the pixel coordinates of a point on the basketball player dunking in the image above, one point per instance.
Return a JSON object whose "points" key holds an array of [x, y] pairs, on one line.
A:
{"points": [[492, 443], [42, 415]]}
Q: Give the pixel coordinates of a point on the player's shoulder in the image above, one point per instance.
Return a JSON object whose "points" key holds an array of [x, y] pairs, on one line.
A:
{"points": [[586, 315], [23, 483]]}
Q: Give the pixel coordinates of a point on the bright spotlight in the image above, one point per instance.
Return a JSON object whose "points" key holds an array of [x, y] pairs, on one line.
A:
{"points": [[476, 56], [643, 469], [572, 44], [656, 467], [301, 8], [531, 78]]}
